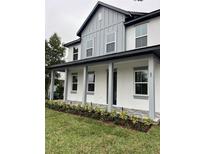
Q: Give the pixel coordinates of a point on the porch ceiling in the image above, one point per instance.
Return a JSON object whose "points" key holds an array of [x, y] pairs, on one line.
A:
{"points": [[119, 55]]}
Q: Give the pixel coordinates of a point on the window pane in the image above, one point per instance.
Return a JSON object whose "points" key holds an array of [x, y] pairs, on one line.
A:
{"points": [[90, 44], [110, 47], [141, 76], [89, 52], [91, 87], [144, 76], [74, 87], [141, 88], [138, 76], [111, 37], [75, 56], [91, 77], [141, 42], [144, 29], [75, 50], [141, 30], [75, 79]]}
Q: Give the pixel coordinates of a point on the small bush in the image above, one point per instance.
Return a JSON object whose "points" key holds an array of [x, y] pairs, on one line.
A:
{"points": [[122, 118]]}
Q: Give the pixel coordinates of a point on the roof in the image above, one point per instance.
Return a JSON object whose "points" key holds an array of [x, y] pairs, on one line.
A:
{"points": [[150, 15], [72, 42], [130, 53], [127, 13]]}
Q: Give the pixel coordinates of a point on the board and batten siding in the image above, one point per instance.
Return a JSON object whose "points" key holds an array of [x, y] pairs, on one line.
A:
{"points": [[97, 30]]}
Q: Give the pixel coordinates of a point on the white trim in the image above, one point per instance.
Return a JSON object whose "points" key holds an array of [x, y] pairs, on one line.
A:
{"points": [[110, 42], [134, 83]]}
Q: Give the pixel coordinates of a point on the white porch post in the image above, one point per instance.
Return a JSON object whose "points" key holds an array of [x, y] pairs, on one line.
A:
{"points": [[65, 85], [110, 87], [151, 85], [52, 85], [85, 72]]}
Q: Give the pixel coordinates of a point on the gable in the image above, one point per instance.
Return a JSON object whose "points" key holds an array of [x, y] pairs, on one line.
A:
{"points": [[108, 18], [107, 11]]}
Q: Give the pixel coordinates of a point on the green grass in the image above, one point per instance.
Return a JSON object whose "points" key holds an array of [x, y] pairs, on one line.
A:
{"points": [[71, 134]]}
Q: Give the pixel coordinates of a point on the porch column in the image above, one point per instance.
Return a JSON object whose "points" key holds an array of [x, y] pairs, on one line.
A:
{"points": [[110, 87], [151, 85], [85, 72], [52, 85], [65, 85]]}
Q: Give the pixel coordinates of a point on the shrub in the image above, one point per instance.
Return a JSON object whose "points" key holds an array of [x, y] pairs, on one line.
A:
{"points": [[122, 118]]}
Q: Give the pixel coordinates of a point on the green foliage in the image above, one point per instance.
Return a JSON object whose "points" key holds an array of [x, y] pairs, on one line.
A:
{"points": [[71, 134], [54, 52], [123, 119]]}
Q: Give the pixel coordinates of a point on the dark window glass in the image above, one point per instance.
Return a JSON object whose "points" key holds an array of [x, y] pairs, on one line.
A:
{"points": [[75, 53], [141, 88], [75, 79], [89, 52], [110, 47], [141, 77], [141, 41], [74, 86], [74, 82], [91, 82], [91, 87]]}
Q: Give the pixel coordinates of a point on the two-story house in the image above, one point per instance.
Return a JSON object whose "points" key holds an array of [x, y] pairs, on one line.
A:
{"points": [[115, 62]]}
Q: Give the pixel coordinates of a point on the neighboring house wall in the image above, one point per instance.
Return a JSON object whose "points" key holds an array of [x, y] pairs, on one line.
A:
{"points": [[153, 33], [96, 30], [69, 52], [157, 86]]}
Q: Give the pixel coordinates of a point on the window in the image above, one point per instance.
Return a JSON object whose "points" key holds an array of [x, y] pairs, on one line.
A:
{"points": [[74, 82], [110, 42], [141, 36], [75, 53], [91, 82], [89, 50], [141, 82]]}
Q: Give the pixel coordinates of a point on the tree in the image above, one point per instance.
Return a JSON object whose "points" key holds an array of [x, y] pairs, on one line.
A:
{"points": [[54, 53]]}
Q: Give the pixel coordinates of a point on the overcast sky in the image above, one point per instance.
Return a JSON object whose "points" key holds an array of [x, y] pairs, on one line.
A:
{"points": [[66, 16]]}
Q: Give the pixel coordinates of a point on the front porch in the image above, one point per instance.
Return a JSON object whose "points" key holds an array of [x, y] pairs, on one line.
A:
{"points": [[111, 91]]}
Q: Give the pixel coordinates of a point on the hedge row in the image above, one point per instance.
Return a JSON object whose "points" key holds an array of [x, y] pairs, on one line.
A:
{"points": [[122, 118]]}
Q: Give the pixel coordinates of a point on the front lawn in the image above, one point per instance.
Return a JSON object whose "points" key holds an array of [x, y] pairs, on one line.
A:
{"points": [[67, 133]]}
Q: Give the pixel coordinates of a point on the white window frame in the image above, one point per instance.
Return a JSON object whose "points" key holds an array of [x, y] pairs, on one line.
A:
{"points": [[75, 53], [134, 83], [90, 48], [92, 92], [110, 42], [136, 37], [74, 74]]}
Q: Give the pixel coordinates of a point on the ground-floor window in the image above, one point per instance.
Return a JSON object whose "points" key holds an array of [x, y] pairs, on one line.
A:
{"points": [[141, 81], [74, 82], [91, 82]]}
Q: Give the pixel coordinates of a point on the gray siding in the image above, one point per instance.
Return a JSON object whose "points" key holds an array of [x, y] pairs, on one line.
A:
{"points": [[111, 22]]}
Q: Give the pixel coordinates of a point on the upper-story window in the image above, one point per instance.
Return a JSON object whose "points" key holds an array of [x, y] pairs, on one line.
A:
{"points": [[141, 36], [75, 53], [89, 49], [110, 42]]}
